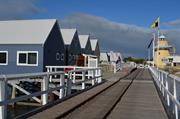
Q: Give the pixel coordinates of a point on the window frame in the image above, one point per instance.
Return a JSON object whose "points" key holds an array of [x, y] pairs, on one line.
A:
{"points": [[3, 51], [58, 56], [26, 64], [62, 56]]}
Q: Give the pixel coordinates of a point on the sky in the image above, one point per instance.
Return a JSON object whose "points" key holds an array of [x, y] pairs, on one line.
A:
{"points": [[120, 25]]}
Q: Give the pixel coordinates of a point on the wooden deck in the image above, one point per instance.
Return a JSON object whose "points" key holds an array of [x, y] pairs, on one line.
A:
{"points": [[141, 101], [138, 101]]}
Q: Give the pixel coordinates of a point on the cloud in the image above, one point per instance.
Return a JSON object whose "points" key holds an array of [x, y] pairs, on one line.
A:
{"points": [[128, 39], [17, 9], [175, 23]]}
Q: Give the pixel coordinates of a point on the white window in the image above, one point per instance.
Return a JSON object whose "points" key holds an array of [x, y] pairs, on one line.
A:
{"points": [[3, 57], [62, 56], [27, 58], [57, 56]]}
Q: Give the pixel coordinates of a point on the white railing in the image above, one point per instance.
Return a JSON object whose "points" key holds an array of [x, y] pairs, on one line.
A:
{"points": [[64, 88], [169, 85], [44, 77], [118, 67], [66, 69], [95, 78]]}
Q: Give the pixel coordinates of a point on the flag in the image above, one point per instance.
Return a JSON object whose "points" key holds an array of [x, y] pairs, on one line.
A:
{"points": [[150, 43], [156, 23]]}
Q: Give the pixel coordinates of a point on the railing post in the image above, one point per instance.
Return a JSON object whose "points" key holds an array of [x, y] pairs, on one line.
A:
{"points": [[93, 78], [69, 84], [50, 70], [74, 77], [167, 88], [175, 96], [55, 70], [115, 68], [83, 79], [162, 78], [45, 87], [159, 75], [99, 75], [61, 92], [3, 109]]}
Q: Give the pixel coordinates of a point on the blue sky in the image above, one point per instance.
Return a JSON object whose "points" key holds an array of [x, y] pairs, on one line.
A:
{"points": [[120, 25], [136, 12]]}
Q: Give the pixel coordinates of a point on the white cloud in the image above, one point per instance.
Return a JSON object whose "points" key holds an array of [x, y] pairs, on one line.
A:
{"points": [[128, 39], [175, 23], [17, 9]]}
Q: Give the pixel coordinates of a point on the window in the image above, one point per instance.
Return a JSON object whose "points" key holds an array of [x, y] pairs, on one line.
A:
{"points": [[57, 56], [3, 58], [27, 58], [170, 59], [62, 56], [70, 56], [74, 57]]}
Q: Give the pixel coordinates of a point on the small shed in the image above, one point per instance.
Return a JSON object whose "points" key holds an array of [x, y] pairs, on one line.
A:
{"points": [[27, 46], [115, 57], [104, 58], [95, 48], [72, 45], [172, 61], [85, 44]]}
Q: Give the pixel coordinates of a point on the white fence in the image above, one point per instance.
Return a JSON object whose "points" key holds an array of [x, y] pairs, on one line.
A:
{"points": [[75, 74], [64, 87], [169, 85], [117, 67]]}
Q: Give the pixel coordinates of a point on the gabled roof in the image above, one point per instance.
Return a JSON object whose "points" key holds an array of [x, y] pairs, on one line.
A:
{"points": [[68, 35], [83, 40], [114, 56], [93, 44], [25, 31], [103, 57]]}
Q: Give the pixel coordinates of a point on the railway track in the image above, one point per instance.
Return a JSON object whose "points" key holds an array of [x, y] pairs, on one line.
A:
{"points": [[100, 106]]}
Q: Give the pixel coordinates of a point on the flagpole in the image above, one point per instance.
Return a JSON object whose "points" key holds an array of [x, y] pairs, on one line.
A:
{"points": [[149, 54], [158, 45], [154, 35], [158, 49], [156, 24]]}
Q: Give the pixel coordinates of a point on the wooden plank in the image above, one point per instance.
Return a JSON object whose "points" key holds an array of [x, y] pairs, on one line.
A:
{"points": [[141, 101]]}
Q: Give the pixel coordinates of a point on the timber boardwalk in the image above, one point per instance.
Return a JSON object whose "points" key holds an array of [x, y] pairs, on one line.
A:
{"points": [[134, 96]]}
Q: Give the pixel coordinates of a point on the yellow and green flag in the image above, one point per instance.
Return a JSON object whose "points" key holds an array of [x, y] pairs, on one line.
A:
{"points": [[156, 23]]}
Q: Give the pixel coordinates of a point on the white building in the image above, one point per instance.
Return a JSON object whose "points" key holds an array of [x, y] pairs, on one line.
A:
{"points": [[104, 58], [115, 57], [172, 61]]}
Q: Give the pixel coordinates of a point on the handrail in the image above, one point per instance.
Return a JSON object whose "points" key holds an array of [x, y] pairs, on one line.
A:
{"points": [[75, 67], [27, 75], [64, 88], [81, 70], [165, 81]]}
